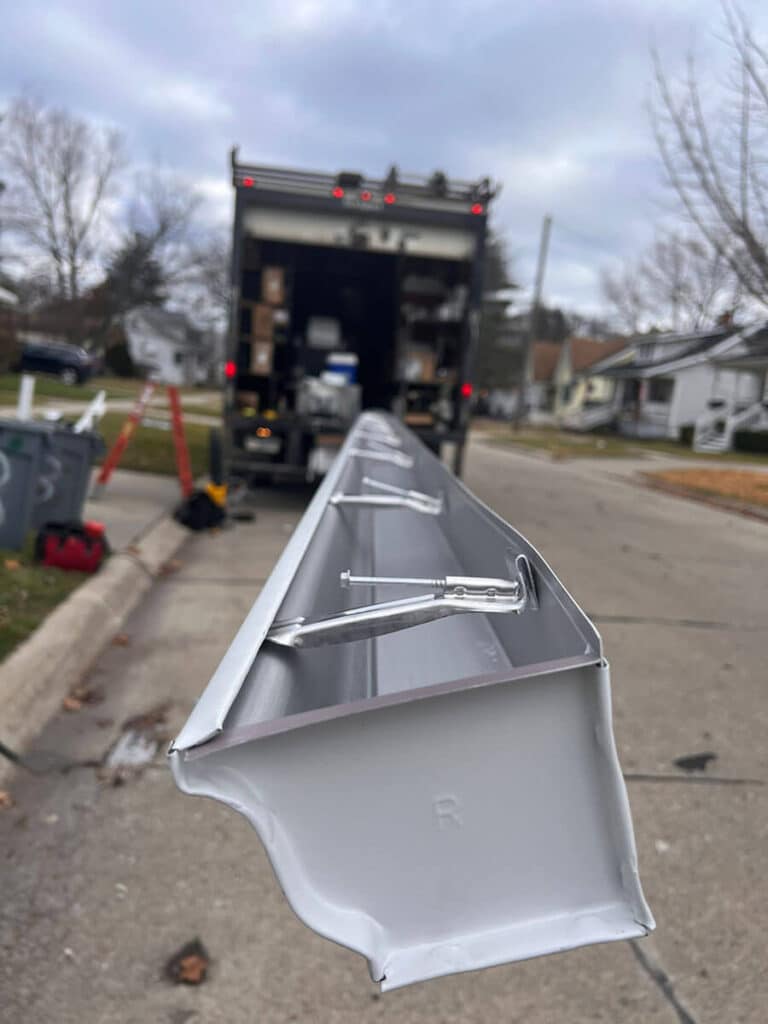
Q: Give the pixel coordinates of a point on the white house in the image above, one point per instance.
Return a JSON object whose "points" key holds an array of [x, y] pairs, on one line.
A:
{"points": [[671, 379], [747, 408], [167, 347]]}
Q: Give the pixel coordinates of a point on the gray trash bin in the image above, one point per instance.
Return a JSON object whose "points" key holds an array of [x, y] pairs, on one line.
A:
{"points": [[65, 474], [23, 447]]}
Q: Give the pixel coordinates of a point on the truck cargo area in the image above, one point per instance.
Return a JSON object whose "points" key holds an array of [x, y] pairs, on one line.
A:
{"points": [[346, 301]]}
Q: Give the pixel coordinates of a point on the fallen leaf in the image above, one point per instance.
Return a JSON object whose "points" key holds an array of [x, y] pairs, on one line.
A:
{"points": [[189, 965], [86, 695], [6, 800], [695, 762], [173, 565], [120, 640], [12, 564], [149, 720], [71, 704]]}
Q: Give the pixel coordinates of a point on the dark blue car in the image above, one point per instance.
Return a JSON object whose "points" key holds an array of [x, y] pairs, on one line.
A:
{"points": [[70, 363]]}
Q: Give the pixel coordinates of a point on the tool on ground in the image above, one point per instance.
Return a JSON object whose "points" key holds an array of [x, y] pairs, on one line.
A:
{"points": [[81, 547]]}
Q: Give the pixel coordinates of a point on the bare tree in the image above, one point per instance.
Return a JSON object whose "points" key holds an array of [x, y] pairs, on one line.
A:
{"points": [[156, 256], [715, 159], [59, 171], [622, 292], [210, 279], [194, 262], [679, 283], [162, 214]]}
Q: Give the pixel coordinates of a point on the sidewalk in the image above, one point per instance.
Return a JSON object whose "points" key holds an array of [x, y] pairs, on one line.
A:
{"points": [[132, 503], [67, 636]]}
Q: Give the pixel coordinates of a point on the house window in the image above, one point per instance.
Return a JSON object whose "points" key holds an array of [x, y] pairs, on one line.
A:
{"points": [[661, 389], [178, 358]]}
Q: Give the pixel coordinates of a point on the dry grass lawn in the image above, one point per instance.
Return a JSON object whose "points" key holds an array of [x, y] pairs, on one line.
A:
{"points": [[747, 485]]}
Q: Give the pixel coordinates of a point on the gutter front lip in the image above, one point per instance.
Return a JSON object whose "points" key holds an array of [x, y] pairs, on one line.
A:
{"points": [[302, 719]]}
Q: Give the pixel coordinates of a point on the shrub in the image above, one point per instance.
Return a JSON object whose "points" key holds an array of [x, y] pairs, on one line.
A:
{"points": [[118, 361], [685, 437], [750, 440]]}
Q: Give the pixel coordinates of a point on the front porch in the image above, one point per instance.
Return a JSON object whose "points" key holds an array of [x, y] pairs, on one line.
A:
{"points": [[717, 429], [644, 408]]}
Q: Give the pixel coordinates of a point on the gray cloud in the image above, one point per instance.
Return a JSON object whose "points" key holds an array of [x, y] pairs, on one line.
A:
{"points": [[549, 98]]}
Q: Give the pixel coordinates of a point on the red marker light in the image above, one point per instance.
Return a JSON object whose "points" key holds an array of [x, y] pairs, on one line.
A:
{"points": [[230, 369], [366, 196], [466, 390], [390, 198], [248, 182], [338, 192], [477, 208]]}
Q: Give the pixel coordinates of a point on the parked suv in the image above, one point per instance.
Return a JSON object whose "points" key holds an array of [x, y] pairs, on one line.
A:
{"points": [[70, 363]]}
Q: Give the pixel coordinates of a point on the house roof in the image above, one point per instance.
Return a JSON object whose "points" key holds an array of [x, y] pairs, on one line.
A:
{"points": [[585, 352], [749, 353], [699, 348], [544, 357]]}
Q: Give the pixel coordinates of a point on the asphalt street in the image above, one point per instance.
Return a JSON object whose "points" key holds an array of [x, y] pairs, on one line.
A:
{"points": [[102, 883]]}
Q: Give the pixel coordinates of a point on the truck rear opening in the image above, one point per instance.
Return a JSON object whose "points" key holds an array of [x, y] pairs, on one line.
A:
{"points": [[347, 299]]}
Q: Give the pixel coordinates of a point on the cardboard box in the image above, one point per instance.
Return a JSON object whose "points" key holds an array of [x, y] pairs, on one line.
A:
{"points": [[247, 400], [419, 419], [261, 358], [273, 285], [418, 366], [258, 321]]}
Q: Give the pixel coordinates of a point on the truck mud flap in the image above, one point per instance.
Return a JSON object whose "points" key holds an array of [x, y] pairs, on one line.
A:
{"points": [[415, 718]]}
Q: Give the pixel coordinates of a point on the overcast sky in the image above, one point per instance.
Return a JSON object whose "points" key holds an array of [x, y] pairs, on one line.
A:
{"points": [[549, 98]]}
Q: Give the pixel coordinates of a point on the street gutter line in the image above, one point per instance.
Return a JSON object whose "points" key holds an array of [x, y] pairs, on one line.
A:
{"points": [[661, 979]]}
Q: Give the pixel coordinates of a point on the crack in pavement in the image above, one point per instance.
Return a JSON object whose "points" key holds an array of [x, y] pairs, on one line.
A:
{"points": [[651, 620], [711, 780], [661, 979]]}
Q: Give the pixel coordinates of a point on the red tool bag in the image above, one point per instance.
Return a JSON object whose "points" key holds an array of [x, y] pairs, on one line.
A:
{"points": [[79, 546]]}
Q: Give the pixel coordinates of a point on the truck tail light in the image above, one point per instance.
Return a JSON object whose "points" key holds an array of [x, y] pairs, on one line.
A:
{"points": [[248, 182], [477, 208], [338, 192], [390, 198], [366, 196]]}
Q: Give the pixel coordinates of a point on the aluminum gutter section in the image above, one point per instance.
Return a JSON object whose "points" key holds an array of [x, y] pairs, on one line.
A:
{"points": [[437, 792]]}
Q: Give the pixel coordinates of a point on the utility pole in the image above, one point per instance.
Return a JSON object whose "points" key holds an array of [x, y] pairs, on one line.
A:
{"points": [[541, 264]]}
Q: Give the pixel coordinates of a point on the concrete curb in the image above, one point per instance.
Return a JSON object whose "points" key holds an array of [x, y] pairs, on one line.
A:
{"points": [[36, 677]]}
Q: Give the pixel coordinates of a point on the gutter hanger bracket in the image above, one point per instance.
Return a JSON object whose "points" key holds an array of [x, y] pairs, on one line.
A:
{"points": [[395, 458], [451, 595], [393, 497]]}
